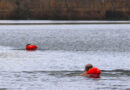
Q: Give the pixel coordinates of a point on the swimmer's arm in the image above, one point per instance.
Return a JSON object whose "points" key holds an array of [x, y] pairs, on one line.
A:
{"points": [[84, 74]]}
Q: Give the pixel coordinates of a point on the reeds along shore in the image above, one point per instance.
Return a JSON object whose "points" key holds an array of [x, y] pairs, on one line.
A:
{"points": [[65, 9]]}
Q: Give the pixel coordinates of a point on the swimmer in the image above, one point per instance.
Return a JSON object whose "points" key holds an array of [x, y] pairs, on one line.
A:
{"points": [[91, 72]]}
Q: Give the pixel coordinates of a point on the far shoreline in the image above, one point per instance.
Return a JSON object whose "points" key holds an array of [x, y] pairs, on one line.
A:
{"points": [[57, 22]]}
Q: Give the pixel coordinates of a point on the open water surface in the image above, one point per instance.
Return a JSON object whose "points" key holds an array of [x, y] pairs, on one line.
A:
{"points": [[63, 51]]}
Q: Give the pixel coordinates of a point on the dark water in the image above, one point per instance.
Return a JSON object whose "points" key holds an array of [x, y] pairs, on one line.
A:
{"points": [[63, 51]]}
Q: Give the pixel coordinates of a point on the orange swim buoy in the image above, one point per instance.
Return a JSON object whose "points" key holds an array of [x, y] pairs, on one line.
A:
{"points": [[30, 47], [94, 72]]}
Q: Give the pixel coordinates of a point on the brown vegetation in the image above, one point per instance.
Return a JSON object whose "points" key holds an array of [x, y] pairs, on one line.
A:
{"points": [[65, 9]]}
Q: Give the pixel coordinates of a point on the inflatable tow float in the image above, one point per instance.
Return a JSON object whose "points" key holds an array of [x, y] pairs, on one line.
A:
{"points": [[30, 47], [94, 73]]}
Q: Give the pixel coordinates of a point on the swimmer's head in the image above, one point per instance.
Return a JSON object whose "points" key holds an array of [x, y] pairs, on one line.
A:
{"points": [[88, 66], [28, 44]]}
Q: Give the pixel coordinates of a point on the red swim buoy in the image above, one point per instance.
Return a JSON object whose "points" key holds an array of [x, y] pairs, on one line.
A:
{"points": [[94, 72], [30, 47]]}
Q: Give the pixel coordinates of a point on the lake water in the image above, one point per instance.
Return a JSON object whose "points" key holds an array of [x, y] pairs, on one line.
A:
{"points": [[63, 51]]}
